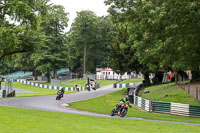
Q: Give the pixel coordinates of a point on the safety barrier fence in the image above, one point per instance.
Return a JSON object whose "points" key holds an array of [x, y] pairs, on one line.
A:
{"points": [[7, 89], [50, 87], [1, 93], [125, 85], [142, 103], [167, 107], [5, 93]]}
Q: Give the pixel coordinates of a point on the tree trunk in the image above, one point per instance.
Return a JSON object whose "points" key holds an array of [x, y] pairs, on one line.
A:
{"points": [[48, 75], [195, 75], [35, 74], [84, 60], [146, 79], [176, 77], [54, 73]]}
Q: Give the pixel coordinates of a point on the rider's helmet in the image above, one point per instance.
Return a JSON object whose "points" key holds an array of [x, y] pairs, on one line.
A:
{"points": [[122, 99], [62, 90], [127, 98]]}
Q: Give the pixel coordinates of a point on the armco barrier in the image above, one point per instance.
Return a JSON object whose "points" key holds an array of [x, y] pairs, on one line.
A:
{"points": [[142, 103], [49, 86], [1, 93], [194, 111], [167, 107], [125, 85], [179, 109], [163, 107], [4, 93]]}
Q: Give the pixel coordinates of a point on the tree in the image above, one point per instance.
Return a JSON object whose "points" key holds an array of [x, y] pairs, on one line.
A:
{"points": [[51, 54], [89, 38], [83, 32], [18, 19], [123, 51], [162, 38]]}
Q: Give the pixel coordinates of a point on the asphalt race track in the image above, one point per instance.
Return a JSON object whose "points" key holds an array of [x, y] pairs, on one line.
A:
{"points": [[49, 103]]}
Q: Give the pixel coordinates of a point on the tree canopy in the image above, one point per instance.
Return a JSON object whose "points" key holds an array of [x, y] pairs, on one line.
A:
{"points": [[142, 35], [163, 34], [19, 21], [88, 40]]}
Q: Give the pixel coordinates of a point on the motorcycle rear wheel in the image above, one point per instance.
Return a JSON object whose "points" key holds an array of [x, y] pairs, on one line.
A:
{"points": [[112, 112]]}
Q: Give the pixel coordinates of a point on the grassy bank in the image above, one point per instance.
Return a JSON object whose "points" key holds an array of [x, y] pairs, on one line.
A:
{"points": [[169, 93], [134, 80], [14, 120], [105, 104], [36, 91], [82, 82]]}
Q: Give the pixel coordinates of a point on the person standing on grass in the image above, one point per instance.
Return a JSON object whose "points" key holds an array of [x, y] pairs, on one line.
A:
{"points": [[76, 87]]}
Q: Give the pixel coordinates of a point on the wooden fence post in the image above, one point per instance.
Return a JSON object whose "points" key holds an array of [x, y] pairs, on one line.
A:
{"points": [[150, 107]]}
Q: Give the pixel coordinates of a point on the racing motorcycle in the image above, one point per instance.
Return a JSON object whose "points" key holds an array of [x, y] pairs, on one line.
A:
{"points": [[87, 86], [121, 110], [60, 94]]}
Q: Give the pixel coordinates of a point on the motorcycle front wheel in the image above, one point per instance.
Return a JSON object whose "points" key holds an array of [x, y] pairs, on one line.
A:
{"points": [[57, 98], [123, 113]]}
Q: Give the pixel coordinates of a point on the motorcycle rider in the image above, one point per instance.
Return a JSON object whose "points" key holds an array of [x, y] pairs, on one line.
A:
{"points": [[61, 92], [122, 108], [123, 101]]}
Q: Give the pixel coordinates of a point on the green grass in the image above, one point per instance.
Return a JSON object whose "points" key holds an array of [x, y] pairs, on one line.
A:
{"points": [[105, 104], [131, 81], [15, 120], [106, 82], [36, 91], [82, 82], [169, 93]]}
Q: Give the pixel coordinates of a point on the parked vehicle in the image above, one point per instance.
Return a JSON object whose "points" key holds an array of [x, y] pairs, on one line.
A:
{"points": [[121, 110]]}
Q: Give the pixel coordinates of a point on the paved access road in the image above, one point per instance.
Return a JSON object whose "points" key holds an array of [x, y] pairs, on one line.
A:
{"points": [[49, 103], [18, 90]]}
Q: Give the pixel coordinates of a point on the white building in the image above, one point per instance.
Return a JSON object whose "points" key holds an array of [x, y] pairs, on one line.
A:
{"points": [[108, 74]]}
